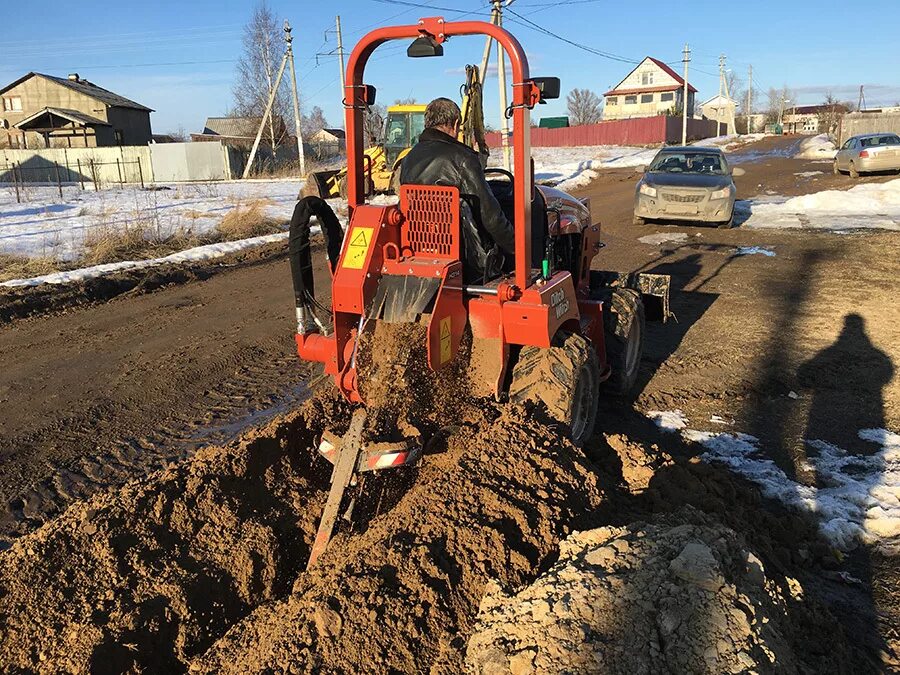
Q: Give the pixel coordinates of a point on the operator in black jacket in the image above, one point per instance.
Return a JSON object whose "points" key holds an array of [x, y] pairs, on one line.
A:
{"points": [[439, 159]]}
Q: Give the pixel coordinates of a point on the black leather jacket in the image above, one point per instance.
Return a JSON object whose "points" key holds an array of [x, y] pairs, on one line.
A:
{"points": [[439, 159]]}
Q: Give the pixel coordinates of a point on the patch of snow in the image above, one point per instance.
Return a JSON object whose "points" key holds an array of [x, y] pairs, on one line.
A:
{"points": [[753, 250], [663, 238], [808, 174], [41, 226], [728, 142], [718, 419], [856, 498], [816, 147], [207, 252], [668, 420], [866, 206]]}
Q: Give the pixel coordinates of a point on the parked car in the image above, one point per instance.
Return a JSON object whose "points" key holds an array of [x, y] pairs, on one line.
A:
{"points": [[688, 184], [868, 152]]}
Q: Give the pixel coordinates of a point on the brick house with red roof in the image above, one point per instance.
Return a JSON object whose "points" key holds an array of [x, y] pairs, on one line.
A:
{"points": [[651, 89]]}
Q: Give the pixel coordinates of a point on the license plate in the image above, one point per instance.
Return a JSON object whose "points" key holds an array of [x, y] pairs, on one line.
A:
{"points": [[681, 208]]}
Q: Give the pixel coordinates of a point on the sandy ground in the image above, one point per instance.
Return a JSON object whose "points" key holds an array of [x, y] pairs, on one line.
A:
{"points": [[118, 378]]}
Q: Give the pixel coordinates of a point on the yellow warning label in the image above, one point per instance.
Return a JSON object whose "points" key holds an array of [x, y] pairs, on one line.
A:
{"points": [[358, 247], [446, 340]]}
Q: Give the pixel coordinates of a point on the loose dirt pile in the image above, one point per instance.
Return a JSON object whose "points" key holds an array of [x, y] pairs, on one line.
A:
{"points": [[680, 594]]}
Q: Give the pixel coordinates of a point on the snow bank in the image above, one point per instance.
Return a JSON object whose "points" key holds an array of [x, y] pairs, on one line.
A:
{"points": [[728, 142], [816, 147], [870, 205], [859, 495], [40, 226]]}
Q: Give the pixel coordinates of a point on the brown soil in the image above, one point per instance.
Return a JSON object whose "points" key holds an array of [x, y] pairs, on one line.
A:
{"points": [[96, 394]]}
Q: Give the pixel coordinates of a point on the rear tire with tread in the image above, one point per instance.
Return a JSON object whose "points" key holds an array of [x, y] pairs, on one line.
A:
{"points": [[637, 220], [565, 378], [624, 326]]}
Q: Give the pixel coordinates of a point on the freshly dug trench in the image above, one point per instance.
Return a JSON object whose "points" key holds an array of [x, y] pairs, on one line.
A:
{"points": [[147, 577], [402, 596]]}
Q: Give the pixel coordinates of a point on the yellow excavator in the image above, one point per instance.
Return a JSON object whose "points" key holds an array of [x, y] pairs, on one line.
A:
{"points": [[402, 127]]}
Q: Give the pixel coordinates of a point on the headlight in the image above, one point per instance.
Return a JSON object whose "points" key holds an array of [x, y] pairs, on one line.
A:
{"points": [[724, 193], [648, 190]]}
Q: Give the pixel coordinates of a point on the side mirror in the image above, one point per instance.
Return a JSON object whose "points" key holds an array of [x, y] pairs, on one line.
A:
{"points": [[737, 171], [548, 86], [369, 94], [423, 47]]}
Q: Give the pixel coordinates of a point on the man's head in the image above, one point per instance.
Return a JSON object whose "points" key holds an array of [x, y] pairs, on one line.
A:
{"points": [[444, 115]]}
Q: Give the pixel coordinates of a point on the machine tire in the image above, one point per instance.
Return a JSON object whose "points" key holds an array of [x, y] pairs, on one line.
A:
{"points": [[624, 328], [637, 220], [565, 378], [853, 172]]}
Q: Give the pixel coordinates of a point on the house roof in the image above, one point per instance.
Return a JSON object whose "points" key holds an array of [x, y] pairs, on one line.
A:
{"points": [[643, 90], [337, 133], [33, 121], [720, 99], [84, 87], [233, 127], [815, 109], [664, 67]]}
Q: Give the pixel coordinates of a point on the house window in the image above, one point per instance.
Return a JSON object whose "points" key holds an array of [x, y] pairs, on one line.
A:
{"points": [[646, 78], [12, 104], [646, 98], [630, 99], [612, 100], [667, 96]]}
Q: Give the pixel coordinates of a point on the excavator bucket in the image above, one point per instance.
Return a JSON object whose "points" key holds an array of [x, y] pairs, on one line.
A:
{"points": [[321, 184]]}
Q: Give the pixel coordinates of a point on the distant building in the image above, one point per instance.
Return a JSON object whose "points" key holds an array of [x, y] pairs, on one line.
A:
{"points": [[721, 109], [43, 111], [240, 131], [326, 142], [651, 89], [813, 119]]}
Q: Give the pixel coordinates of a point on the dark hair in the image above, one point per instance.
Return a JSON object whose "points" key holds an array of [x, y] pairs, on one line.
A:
{"points": [[441, 112]]}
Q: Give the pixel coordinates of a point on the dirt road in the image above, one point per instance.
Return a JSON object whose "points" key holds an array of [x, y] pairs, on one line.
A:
{"points": [[799, 345]]}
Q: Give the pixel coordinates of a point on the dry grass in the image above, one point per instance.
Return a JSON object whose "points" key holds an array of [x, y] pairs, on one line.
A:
{"points": [[246, 222], [23, 267], [134, 242]]}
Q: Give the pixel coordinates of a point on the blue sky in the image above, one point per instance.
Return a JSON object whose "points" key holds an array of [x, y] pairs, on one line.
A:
{"points": [[178, 57]]}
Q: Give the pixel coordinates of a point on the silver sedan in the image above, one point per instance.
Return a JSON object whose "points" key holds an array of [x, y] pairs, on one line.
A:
{"points": [[869, 152]]}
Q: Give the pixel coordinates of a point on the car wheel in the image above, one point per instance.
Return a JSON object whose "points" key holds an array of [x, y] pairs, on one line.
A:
{"points": [[726, 224], [853, 172], [637, 220]]}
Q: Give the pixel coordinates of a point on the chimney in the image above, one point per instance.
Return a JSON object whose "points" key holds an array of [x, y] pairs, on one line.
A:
{"points": [[74, 77]]}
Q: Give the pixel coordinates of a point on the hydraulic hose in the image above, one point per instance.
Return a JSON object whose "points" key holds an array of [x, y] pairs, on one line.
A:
{"points": [[300, 256]]}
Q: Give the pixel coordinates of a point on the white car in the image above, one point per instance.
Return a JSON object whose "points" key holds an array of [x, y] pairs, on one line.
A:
{"points": [[868, 152]]}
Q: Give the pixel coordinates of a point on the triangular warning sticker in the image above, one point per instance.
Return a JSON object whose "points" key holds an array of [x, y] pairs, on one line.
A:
{"points": [[359, 239], [445, 329]]}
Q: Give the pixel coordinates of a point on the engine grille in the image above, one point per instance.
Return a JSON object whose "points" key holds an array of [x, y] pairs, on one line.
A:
{"points": [[684, 199], [431, 226]]}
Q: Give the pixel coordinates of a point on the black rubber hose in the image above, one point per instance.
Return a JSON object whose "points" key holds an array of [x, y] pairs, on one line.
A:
{"points": [[298, 244]]}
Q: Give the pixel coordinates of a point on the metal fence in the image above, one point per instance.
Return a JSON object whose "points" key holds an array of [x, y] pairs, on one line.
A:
{"points": [[857, 123], [95, 174]]}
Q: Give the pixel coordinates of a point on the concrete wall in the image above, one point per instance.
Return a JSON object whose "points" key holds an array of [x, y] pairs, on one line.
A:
{"points": [[857, 123], [105, 165], [156, 163]]}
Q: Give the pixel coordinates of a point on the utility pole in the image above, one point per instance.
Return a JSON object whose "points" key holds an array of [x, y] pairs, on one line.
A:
{"points": [[685, 57], [340, 51], [721, 86], [501, 77], [861, 104], [273, 90], [749, 95], [296, 96]]}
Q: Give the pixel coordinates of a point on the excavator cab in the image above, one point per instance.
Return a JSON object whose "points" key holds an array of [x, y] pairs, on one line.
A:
{"points": [[402, 127]]}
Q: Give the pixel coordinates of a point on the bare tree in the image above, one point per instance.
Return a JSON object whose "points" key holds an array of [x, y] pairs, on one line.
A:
{"points": [[409, 100], [257, 68], [313, 122], [179, 135], [778, 101], [374, 124], [584, 106]]}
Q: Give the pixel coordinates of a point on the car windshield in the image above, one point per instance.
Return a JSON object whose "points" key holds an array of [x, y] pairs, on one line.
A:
{"points": [[688, 162], [887, 139]]}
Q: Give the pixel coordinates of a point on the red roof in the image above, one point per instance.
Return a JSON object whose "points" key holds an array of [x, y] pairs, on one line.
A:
{"points": [[663, 66]]}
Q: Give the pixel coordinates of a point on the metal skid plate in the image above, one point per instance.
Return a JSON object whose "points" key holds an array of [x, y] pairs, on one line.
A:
{"points": [[374, 456]]}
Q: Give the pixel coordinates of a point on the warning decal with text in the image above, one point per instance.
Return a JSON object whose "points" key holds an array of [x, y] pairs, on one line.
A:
{"points": [[446, 340], [358, 247]]}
